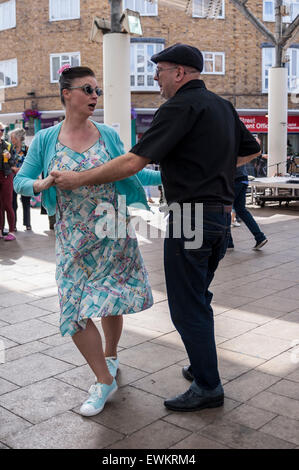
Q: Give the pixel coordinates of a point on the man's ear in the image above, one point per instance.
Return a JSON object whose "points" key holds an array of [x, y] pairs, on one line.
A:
{"points": [[180, 72]]}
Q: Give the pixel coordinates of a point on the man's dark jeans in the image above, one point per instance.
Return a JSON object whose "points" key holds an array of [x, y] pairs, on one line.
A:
{"points": [[189, 273], [244, 214]]}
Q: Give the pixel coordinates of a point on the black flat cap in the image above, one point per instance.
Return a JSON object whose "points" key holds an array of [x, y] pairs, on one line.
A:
{"points": [[181, 54]]}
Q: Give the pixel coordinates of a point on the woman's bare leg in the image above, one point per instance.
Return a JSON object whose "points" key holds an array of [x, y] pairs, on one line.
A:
{"points": [[89, 343], [112, 327]]}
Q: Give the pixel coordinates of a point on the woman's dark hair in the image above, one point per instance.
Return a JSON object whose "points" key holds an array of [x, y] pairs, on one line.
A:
{"points": [[70, 74]]}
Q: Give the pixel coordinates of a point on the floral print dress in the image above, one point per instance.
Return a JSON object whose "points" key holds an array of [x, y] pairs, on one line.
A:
{"points": [[98, 272]]}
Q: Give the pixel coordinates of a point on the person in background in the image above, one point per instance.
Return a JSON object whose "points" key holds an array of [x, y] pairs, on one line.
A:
{"points": [[260, 164], [234, 222], [7, 164], [239, 204], [100, 272], [19, 151]]}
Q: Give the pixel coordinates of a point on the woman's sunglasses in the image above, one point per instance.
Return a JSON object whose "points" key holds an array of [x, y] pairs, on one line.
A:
{"points": [[88, 90]]}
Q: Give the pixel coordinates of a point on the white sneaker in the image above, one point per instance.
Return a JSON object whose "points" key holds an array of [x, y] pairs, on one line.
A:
{"points": [[235, 224], [98, 395]]}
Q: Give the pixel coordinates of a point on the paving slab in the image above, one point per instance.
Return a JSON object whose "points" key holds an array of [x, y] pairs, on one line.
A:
{"points": [[277, 404], [286, 388], [284, 428], [196, 441], [238, 436], [20, 313], [51, 304], [66, 431], [251, 417], [233, 364], [200, 419], [16, 298], [248, 385], [67, 352], [261, 346], [150, 357], [11, 423], [165, 383], [130, 410], [28, 331], [158, 435], [33, 368], [6, 386], [42, 400], [282, 365], [133, 335], [230, 328], [23, 350]]}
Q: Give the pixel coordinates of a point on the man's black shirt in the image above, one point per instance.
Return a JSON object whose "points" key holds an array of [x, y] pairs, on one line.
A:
{"points": [[196, 137]]}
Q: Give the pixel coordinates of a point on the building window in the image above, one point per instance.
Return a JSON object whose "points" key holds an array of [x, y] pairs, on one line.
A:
{"points": [[214, 63], [64, 9], [142, 68], [144, 7], [202, 8], [8, 15], [8, 73], [268, 60], [58, 60], [269, 11]]}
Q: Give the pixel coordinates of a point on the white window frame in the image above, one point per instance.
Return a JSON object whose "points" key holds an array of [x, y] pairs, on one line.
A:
{"points": [[60, 54], [195, 14], [133, 5], [214, 54], [8, 9], [285, 19], [52, 17], [134, 65], [293, 53], [10, 68]]}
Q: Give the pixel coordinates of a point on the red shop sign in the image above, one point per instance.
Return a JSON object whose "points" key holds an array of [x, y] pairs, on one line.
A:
{"points": [[259, 124]]}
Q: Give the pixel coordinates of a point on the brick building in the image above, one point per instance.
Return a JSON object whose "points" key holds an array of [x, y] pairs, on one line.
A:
{"points": [[38, 37]]}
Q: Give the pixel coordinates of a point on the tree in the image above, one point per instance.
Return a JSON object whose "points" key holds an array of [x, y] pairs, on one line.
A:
{"points": [[282, 34]]}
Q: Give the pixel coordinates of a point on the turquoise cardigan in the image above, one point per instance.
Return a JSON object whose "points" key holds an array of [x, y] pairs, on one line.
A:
{"points": [[43, 149]]}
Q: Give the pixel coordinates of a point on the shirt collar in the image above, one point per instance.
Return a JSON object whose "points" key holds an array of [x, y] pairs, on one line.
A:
{"points": [[192, 84]]}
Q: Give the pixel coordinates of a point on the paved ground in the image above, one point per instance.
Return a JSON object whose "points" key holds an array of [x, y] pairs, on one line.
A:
{"points": [[43, 379]]}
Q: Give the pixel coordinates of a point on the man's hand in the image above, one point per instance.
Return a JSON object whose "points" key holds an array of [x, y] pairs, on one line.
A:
{"points": [[66, 179], [41, 185]]}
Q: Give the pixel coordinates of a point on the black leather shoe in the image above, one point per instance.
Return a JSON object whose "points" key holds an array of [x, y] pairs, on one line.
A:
{"points": [[192, 401], [187, 373]]}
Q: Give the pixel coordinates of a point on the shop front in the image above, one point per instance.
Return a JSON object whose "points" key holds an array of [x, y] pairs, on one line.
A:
{"points": [[258, 124]]}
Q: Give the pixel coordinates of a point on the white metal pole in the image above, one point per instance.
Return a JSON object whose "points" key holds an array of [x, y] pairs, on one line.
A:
{"points": [[117, 94], [277, 120]]}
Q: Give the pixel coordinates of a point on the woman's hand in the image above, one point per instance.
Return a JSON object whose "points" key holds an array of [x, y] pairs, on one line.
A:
{"points": [[41, 185]]}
